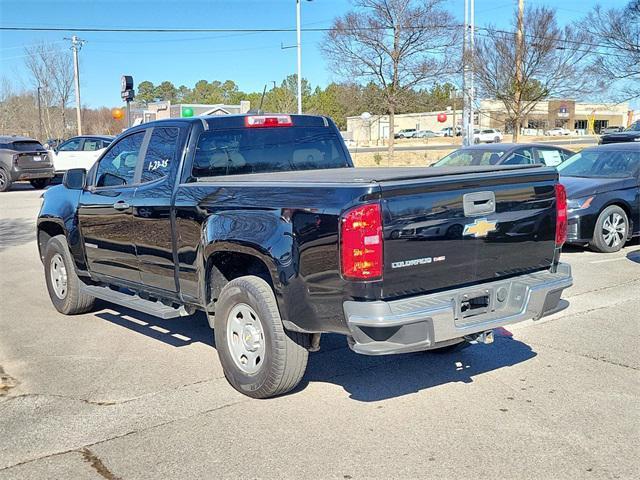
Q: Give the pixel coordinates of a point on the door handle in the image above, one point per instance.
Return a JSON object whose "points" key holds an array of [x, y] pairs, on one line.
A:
{"points": [[121, 205]]}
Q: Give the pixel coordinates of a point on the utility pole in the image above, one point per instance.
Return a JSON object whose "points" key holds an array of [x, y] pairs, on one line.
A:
{"points": [[39, 115], [299, 45], [76, 45], [468, 73], [519, 54]]}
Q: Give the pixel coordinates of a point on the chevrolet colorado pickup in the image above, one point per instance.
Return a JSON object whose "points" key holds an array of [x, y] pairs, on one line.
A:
{"points": [[262, 222]]}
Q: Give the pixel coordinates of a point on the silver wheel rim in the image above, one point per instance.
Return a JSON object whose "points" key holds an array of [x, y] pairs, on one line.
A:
{"points": [[245, 338], [614, 230], [58, 275], [3, 180]]}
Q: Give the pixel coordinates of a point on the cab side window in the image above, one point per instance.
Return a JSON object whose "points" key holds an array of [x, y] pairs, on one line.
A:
{"points": [[91, 145], [161, 153], [118, 166]]}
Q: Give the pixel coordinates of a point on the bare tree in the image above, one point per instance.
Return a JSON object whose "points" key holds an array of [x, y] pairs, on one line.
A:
{"points": [[51, 69], [617, 58], [394, 44], [553, 64]]}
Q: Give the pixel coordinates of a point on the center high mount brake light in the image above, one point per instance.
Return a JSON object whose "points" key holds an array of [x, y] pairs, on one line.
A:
{"points": [[261, 121]]}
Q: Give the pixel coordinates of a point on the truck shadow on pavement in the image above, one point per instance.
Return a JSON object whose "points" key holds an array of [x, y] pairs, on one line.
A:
{"points": [[17, 231], [371, 379], [364, 378]]}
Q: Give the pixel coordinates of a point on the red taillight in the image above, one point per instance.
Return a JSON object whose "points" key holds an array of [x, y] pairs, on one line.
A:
{"points": [[561, 214], [257, 121], [361, 243]]}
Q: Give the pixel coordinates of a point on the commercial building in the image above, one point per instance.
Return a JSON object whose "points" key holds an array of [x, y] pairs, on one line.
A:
{"points": [[165, 109], [583, 118]]}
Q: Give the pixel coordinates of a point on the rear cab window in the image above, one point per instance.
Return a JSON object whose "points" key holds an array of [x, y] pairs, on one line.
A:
{"points": [[262, 150]]}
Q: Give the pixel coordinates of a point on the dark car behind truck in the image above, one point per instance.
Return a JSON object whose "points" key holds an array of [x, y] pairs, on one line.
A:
{"points": [[23, 158], [263, 223]]}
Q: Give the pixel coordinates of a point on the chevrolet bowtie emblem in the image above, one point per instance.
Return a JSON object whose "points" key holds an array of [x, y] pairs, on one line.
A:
{"points": [[479, 228]]}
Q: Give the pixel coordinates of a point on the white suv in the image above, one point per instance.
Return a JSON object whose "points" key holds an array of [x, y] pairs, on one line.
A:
{"points": [[487, 135], [79, 152]]}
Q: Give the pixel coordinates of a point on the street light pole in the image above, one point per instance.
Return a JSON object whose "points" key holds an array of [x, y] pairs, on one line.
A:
{"points": [[299, 57]]}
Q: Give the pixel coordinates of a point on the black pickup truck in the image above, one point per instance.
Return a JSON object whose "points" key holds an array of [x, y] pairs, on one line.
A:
{"points": [[262, 222]]}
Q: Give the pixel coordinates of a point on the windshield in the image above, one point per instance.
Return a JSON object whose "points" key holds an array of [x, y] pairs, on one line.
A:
{"points": [[634, 127], [466, 158], [262, 150], [602, 163]]}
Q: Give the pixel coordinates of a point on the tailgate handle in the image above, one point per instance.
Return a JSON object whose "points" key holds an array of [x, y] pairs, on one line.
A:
{"points": [[479, 203]]}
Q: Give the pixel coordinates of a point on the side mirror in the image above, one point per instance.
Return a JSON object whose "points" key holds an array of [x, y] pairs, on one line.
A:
{"points": [[75, 178]]}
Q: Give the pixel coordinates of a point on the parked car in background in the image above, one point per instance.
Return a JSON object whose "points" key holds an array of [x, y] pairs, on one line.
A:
{"points": [[405, 133], [23, 158], [603, 195], [424, 134], [557, 132], [506, 154], [448, 132], [607, 130], [79, 152], [631, 134], [487, 135]]}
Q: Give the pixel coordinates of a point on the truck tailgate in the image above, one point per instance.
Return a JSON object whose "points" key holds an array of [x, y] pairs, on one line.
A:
{"points": [[462, 229]]}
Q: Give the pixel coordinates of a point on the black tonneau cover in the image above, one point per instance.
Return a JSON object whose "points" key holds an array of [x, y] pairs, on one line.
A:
{"points": [[365, 175]]}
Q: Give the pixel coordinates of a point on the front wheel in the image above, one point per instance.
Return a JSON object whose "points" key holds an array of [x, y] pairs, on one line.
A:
{"points": [[259, 358], [64, 286], [496, 140], [611, 230], [40, 183]]}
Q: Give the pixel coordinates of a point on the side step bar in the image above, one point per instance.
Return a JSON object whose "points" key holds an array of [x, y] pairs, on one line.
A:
{"points": [[134, 302]]}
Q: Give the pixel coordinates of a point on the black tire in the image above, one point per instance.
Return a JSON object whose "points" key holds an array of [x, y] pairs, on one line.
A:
{"points": [[496, 140], [476, 141], [40, 183], [285, 352], [604, 240], [74, 301], [5, 180]]}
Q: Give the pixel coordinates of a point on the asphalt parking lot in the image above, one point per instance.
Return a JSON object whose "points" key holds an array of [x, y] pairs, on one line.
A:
{"points": [[119, 395]]}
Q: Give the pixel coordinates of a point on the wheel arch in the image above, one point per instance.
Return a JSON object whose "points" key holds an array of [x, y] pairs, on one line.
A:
{"points": [[47, 229], [228, 261]]}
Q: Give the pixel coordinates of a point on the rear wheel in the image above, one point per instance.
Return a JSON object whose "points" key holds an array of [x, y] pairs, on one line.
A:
{"points": [[611, 230], [63, 284], [5, 180], [40, 183], [259, 358]]}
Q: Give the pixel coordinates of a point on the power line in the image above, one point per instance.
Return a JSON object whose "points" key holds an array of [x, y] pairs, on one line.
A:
{"points": [[489, 30]]}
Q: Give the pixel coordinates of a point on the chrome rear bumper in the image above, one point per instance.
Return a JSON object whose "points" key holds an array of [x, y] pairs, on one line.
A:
{"points": [[430, 321]]}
